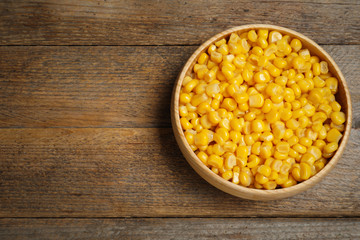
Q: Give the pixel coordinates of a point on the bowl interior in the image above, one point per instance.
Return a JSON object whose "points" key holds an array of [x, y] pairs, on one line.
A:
{"points": [[343, 97]]}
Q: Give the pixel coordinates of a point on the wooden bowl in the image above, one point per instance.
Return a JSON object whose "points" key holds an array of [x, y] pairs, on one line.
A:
{"points": [[343, 97]]}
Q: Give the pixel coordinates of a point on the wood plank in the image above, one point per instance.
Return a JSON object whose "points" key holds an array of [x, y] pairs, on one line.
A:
{"points": [[138, 22], [108, 86], [110, 172], [181, 228]]}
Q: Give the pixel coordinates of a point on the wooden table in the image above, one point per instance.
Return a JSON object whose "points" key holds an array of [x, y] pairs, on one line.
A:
{"points": [[86, 146]]}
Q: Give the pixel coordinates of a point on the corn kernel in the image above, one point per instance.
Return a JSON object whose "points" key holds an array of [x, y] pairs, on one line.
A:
{"points": [[333, 135], [305, 171], [337, 118], [253, 161], [299, 148], [331, 147], [215, 161]]}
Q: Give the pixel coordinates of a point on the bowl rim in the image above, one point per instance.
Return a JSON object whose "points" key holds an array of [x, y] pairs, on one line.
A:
{"points": [[227, 186]]}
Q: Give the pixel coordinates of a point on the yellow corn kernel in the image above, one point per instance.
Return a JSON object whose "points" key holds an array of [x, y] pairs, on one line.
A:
{"points": [[185, 98], [205, 122], [316, 96], [263, 33], [336, 107], [289, 182], [220, 42], [201, 139], [212, 89], [322, 133], [235, 177], [320, 144], [267, 136], [276, 165], [282, 178], [300, 132], [253, 161], [197, 99], [217, 149], [337, 118], [241, 97], [203, 157], [229, 146], [242, 152], [256, 100], [214, 117], [297, 91], [331, 147], [203, 108], [324, 67], [257, 126], [292, 124], [283, 147], [215, 161], [307, 142], [315, 151], [288, 134], [268, 105], [264, 170], [183, 111], [296, 174], [296, 44], [245, 179], [236, 124], [252, 36], [235, 136], [229, 104], [299, 148], [320, 164], [303, 121], [223, 133], [227, 175], [185, 123], [273, 175], [249, 140], [261, 179], [270, 185], [333, 135], [216, 57], [285, 168], [318, 82], [305, 171], [215, 170], [293, 140], [272, 116], [295, 105], [262, 42], [203, 58], [265, 151], [340, 127], [293, 154], [309, 110], [307, 158], [189, 138], [326, 109], [223, 49]]}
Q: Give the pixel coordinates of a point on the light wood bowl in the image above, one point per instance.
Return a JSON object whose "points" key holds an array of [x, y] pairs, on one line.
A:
{"points": [[343, 97]]}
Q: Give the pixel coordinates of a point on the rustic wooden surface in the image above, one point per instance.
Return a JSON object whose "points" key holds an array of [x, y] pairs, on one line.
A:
{"points": [[86, 146]]}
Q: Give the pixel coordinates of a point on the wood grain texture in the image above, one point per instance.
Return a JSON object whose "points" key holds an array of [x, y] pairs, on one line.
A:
{"points": [[122, 86], [181, 228], [139, 22], [110, 172]]}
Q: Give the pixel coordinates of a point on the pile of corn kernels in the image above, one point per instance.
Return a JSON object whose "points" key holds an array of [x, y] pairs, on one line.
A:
{"points": [[260, 111]]}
